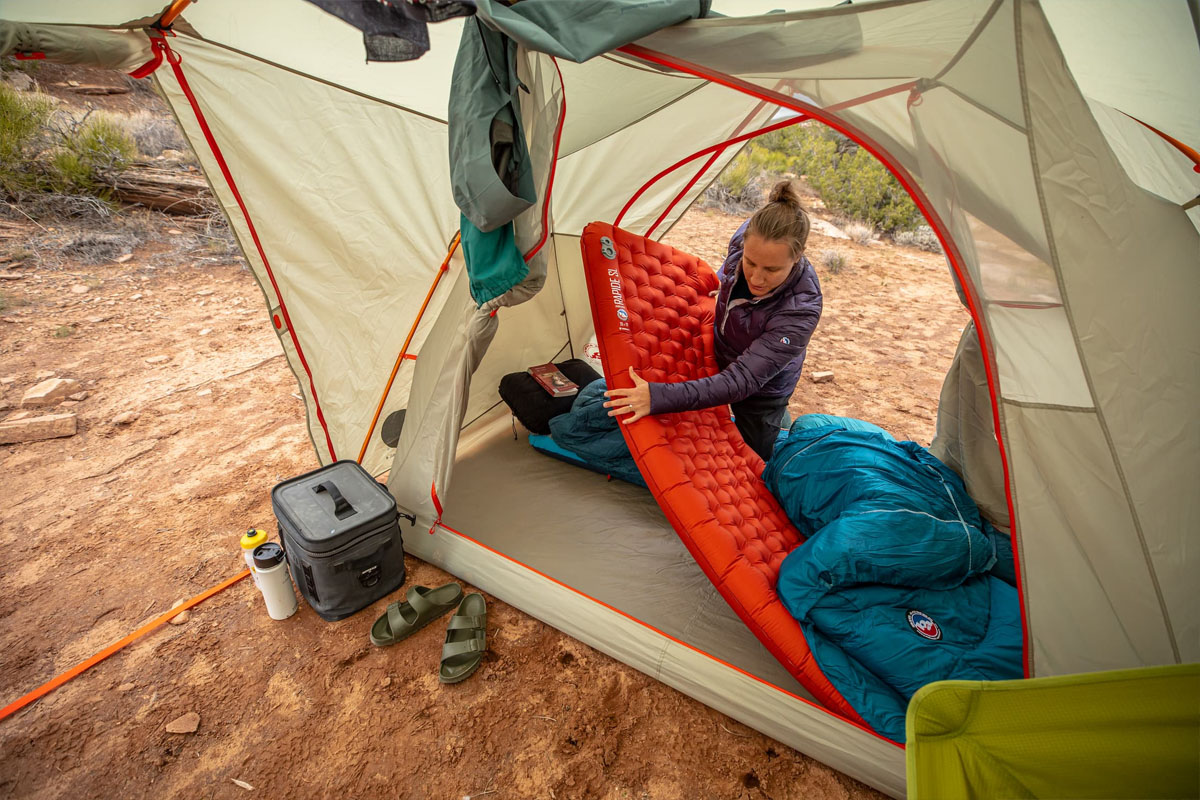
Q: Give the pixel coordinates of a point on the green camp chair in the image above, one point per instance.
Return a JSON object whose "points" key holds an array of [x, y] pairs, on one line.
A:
{"points": [[1122, 734]]}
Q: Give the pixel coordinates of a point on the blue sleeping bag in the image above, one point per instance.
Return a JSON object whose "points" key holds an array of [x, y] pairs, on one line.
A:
{"points": [[593, 437], [901, 582]]}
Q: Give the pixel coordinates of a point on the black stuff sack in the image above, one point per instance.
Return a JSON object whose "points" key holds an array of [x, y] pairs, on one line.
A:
{"points": [[341, 535], [532, 405]]}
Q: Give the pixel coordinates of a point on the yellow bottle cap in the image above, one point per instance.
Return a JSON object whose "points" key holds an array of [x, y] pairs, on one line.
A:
{"points": [[253, 538]]}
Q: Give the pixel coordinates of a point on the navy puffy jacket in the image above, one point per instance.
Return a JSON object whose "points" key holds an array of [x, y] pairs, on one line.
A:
{"points": [[760, 342]]}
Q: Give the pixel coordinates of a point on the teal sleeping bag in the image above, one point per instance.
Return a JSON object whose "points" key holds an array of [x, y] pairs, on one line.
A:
{"points": [[901, 581]]}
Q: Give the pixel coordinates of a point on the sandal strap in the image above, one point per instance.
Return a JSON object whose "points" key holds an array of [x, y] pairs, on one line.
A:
{"points": [[396, 620], [465, 621], [416, 599], [452, 650]]}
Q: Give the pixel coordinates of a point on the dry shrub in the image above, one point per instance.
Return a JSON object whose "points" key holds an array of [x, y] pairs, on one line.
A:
{"points": [[60, 206], [859, 233], [98, 248], [923, 238], [739, 189], [834, 261], [154, 133], [141, 86]]}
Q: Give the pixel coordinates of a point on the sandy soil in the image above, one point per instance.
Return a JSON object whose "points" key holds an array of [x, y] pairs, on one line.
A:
{"points": [[107, 529]]}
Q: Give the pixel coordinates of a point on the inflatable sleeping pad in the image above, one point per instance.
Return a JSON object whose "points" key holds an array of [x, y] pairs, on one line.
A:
{"points": [[653, 308]]}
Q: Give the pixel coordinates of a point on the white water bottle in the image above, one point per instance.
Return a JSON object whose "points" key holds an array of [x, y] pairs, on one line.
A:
{"points": [[252, 539], [274, 581]]}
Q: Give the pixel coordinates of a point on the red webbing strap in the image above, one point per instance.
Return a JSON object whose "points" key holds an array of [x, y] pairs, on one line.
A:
{"points": [[83, 666], [437, 504], [174, 60], [36, 55], [156, 44]]}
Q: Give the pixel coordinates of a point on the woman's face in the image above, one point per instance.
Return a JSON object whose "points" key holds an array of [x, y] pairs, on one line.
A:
{"points": [[766, 263]]}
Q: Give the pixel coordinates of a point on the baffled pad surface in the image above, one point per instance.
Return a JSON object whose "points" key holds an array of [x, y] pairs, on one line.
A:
{"points": [[653, 310]]}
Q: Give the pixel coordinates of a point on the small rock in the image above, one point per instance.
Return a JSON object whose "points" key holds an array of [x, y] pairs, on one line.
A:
{"points": [[206, 332], [98, 320], [43, 374], [126, 687], [175, 232], [204, 393], [386, 682], [242, 784], [204, 292], [19, 81], [182, 616], [126, 418], [9, 320], [8, 380], [137, 296], [67, 404], [73, 83], [123, 259], [79, 396], [19, 428], [49, 392], [80, 288], [158, 359], [188, 723], [820, 377]]}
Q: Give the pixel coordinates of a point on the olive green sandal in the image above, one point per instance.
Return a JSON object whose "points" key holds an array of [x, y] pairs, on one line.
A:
{"points": [[466, 640], [422, 606]]}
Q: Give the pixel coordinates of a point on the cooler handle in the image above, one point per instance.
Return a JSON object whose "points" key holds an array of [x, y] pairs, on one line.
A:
{"points": [[341, 506], [367, 567]]}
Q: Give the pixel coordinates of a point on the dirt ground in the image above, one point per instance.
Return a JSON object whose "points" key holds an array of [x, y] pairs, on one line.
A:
{"points": [[104, 530]]}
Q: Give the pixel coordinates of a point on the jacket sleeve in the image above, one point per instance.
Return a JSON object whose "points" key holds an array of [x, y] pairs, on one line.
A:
{"points": [[784, 338]]}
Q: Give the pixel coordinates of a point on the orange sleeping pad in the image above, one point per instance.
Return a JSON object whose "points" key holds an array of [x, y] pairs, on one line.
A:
{"points": [[653, 308]]}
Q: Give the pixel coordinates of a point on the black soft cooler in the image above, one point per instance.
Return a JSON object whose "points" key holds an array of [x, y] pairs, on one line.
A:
{"points": [[340, 531]]}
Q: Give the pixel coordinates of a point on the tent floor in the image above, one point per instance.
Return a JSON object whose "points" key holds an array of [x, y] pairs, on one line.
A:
{"points": [[605, 539]]}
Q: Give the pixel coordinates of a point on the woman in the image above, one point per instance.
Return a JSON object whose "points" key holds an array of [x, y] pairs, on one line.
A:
{"points": [[768, 305]]}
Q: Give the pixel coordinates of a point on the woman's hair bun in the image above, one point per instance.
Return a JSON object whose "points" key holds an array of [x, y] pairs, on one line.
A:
{"points": [[783, 218], [785, 192]]}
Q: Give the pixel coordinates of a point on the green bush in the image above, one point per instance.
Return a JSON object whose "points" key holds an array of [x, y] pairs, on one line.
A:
{"points": [[90, 156], [848, 178], [43, 151], [859, 187], [23, 117]]}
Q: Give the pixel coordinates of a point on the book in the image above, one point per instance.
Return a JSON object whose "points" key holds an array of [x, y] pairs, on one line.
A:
{"points": [[553, 380]]}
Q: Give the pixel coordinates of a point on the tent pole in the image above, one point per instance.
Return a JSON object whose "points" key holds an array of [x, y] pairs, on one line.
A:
{"points": [[408, 340], [174, 10]]}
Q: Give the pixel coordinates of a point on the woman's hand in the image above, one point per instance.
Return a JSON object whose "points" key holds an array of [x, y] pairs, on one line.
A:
{"points": [[625, 401]]}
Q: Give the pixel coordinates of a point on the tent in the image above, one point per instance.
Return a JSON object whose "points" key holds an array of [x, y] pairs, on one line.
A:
{"points": [[1050, 145]]}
